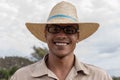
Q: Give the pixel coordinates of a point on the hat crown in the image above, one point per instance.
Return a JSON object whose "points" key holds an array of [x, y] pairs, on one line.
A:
{"points": [[63, 12]]}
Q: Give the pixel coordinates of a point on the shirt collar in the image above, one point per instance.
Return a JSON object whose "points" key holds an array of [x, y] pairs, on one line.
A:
{"points": [[41, 68], [81, 67]]}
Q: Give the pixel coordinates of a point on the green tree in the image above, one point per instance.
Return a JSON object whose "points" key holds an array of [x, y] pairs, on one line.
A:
{"points": [[13, 70], [39, 52], [4, 74], [116, 78], [9, 65]]}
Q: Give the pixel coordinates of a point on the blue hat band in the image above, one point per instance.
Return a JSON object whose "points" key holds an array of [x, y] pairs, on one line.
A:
{"points": [[61, 16]]}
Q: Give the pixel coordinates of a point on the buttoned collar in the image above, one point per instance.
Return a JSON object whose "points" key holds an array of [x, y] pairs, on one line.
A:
{"points": [[41, 69]]}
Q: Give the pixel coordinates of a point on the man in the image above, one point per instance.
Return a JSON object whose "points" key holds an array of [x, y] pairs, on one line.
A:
{"points": [[61, 32]]}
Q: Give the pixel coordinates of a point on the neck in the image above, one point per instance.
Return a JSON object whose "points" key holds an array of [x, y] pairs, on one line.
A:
{"points": [[60, 62], [60, 65]]}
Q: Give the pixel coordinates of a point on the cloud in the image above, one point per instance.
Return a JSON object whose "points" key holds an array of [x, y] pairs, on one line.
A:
{"points": [[11, 52], [7, 7]]}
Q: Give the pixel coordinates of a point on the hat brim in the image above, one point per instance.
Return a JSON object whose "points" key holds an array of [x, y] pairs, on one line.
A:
{"points": [[86, 29]]}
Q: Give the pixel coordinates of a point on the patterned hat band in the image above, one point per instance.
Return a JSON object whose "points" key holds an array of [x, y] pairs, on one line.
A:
{"points": [[61, 16]]}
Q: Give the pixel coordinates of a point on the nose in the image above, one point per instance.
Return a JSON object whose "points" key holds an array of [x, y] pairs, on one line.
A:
{"points": [[61, 34]]}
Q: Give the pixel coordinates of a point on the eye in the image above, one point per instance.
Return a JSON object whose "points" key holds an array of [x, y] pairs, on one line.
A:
{"points": [[70, 30], [54, 29]]}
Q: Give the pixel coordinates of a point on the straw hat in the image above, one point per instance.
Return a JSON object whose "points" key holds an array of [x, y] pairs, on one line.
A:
{"points": [[63, 13]]}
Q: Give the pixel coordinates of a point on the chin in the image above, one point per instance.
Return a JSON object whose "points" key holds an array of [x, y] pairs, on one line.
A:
{"points": [[63, 55]]}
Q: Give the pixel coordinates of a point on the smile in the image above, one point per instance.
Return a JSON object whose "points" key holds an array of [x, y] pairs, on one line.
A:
{"points": [[61, 43]]}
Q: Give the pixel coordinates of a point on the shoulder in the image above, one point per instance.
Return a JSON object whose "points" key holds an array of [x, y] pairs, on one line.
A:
{"points": [[29, 68], [25, 72], [93, 68], [97, 72], [88, 68]]}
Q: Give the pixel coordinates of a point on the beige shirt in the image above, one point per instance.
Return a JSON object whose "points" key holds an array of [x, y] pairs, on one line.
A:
{"points": [[80, 71]]}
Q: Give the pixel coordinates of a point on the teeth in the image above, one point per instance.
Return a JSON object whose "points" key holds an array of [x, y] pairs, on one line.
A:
{"points": [[61, 44]]}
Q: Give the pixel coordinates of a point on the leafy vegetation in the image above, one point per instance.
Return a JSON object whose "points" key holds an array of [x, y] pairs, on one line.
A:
{"points": [[9, 62], [9, 65], [39, 52], [116, 78], [6, 73]]}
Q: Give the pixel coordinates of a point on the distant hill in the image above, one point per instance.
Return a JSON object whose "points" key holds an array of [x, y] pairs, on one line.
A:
{"points": [[9, 62]]}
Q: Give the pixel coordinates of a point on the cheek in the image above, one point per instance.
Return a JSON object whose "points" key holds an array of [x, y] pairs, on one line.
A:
{"points": [[75, 38], [48, 37]]}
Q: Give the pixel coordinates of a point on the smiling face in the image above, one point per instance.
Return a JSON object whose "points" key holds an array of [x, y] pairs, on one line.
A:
{"points": [[61, 39]]}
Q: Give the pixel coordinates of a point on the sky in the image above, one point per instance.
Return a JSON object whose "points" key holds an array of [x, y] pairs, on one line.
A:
{"points": [[102, 49]]}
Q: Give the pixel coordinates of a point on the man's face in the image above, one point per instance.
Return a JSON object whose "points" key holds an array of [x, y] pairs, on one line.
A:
{"points": [[61, 38]]}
